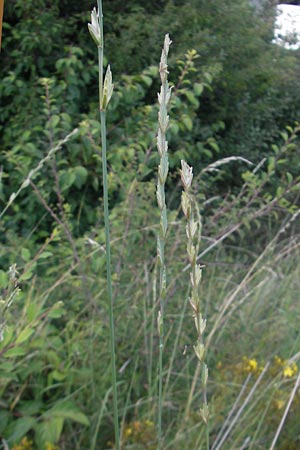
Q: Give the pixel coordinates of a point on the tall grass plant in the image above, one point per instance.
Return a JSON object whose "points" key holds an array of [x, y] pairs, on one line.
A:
{"points": [[105, 93]]}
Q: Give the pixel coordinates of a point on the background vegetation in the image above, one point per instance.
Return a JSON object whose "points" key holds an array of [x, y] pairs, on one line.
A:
{"points": [[234, 114]]}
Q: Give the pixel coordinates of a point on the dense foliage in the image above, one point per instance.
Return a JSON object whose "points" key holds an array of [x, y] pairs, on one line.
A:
{"points": [[235, 118]]}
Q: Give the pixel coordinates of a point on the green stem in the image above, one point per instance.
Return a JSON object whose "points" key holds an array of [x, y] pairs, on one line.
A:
{"points": [[160, 385], [162, 295], [100, 59], [207, 434], [109, 281]]}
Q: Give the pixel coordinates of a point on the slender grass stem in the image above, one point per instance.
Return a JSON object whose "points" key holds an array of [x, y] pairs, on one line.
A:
{"points": [[109, 281], [207, 434], [160, 383], [100, 58], [152, 328]]}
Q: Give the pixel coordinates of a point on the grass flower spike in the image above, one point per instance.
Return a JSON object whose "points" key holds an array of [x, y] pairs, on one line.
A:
{"points": [[107, 89], [163, 169], [94, 28], [193, 232]]}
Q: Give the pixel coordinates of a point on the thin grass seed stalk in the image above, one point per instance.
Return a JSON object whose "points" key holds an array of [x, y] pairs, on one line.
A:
{"points": [[193, 232], [163, 169]]}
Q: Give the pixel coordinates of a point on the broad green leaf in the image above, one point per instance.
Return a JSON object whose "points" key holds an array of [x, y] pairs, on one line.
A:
{"points": [[174, 128], [7, 366], [198, 88], [26, 275], [214, 145], [57, 311], [147, 80], [208, 77], [284, 136], [58, 375], [19, 428], [191, 98], [7, 335], [4, 416], [207, 152], [45, 255], [67, 410], [67, 179], [6, 379], [152, 70], [25, 253], [30, 407], [3, 279], [26, 135], [271, 164], [14, 352], [52, 356], [48, 431], [291, 146], [80, 176], [24, 335], [32, 311], [54, 121], [187, 121], [289, 177]]}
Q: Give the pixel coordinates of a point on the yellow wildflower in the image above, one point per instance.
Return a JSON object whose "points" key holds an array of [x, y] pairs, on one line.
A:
{"points": [[295, 368], [278, 361], [250, 365], [149, 423], [140, 432], [25, 444], [290, 371], [279, 404], [287, 372], [50, 446], [128, 432]]}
